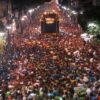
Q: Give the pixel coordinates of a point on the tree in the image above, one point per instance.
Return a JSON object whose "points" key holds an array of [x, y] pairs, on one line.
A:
{"points": [[94, 29]]}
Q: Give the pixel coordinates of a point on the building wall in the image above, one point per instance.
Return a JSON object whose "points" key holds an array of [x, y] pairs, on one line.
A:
{"points": [[3, 8], [96, 2]]}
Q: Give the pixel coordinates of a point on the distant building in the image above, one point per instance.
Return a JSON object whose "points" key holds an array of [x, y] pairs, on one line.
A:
{"points": [[5, 8], [81, 6], [96, 2]]}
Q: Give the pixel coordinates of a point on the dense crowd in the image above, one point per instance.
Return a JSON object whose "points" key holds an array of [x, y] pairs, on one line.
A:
{"points": [[38, 66], [62, 67]]}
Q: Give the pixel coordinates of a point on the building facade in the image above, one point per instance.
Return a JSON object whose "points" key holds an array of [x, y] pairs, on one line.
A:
{"points": [[5, 8], [96, 2]]}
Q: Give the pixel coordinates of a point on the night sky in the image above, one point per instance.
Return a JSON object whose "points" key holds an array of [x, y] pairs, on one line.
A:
{"points": [[28, 2], [21, 4]]}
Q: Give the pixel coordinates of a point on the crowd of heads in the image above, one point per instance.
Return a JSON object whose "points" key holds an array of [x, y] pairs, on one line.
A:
{"points": [[50, 67]]}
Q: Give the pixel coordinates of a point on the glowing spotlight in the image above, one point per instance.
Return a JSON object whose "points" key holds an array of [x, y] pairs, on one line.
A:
{"points": [[2, 34], [92, 25], [74, 12], [8, 27], [31, 11], [23, 17], [81, 12], [68, 8], [64, 7]]}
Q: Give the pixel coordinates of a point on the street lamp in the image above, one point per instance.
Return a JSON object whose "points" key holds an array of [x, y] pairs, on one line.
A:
{"points": [[74, 16], [30, 11], [24, 17], [74, 12], [64, 7]]}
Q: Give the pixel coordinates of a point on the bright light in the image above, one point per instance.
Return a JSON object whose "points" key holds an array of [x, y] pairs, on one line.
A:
{"points": [[92, 25], [14, 23], [31, 11], [57, 2], [13, 26], [23, 17], [38, 7], [86, 37], [49, 20], [68, 9], [81, 12], [74, 12], [69, 16], [45, 13], [64, 7], [8, 27], [2, 34]]}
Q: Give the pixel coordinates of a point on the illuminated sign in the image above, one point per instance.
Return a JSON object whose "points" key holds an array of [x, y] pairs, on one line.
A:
{"points": [[49, 20]]}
